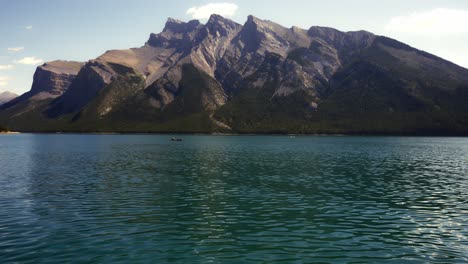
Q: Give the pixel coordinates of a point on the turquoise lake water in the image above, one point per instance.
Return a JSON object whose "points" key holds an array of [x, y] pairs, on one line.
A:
{"points": [[232, 199]]}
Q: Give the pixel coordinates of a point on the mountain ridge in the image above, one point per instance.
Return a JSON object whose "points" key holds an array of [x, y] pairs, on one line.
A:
{"points": [[259, 77]]}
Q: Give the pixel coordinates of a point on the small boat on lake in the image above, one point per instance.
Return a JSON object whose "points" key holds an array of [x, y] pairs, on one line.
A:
{"points": [[176, 139]]}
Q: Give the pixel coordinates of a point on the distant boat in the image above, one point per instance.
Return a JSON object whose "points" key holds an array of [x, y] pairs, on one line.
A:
{"points": [[176, 139]]}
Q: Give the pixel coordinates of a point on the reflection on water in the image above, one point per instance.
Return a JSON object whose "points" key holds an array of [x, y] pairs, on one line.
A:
{"points": [[116, 198]]}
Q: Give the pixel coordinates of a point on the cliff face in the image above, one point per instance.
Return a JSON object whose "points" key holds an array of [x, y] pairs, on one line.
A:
{"points": [[256, 77], [50, 81], [53, 78]]}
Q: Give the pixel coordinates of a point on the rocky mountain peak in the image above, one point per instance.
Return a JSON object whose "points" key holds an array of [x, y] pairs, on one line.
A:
{"points": [[176, 34], [223, 74], [174, 20], [263, 35], [177, 26], [215, 18], [264, 25], [255, 24], [218, 25], [253, 19]]}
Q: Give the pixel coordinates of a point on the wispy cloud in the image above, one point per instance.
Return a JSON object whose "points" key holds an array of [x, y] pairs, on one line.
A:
{"points": [[205, 11], [4, 80], [28, 27], [435, 22], [16, 49], [6, 67], [30, 61]]}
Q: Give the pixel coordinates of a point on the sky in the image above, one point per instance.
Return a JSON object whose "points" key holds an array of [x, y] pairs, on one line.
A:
{"points": [[36, 31]]}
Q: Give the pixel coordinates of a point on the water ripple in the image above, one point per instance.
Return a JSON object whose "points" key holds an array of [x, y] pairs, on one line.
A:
{"points": [[209, 199]]}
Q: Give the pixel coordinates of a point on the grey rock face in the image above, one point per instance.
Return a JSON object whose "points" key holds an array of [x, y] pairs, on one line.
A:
{"points": [[229, 53], [306, 61], [176, 34], [7, 96], [232, 55], [53, 78], [279, 64], [91, 78]]}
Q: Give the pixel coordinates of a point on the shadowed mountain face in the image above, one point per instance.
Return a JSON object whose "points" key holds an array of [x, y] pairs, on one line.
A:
{"points": [[259, 77]]}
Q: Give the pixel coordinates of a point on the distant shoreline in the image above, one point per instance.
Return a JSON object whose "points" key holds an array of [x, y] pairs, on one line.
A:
{"points": [[9, 132], [244, 134]]}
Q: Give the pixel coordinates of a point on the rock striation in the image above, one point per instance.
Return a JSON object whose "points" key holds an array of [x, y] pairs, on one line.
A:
{"points": [[256, 77], [53, 78]]}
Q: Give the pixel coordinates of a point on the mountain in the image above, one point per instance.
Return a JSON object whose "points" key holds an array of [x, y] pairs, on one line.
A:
{"points": [[259, 77], [7, 96]]}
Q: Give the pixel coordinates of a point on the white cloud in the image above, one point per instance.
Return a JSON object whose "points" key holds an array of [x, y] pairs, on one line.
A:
{"points": [[28, 27], [436, 22], [6, 67], [30, 61], [205, 11], [16, 49], [4, 80]]}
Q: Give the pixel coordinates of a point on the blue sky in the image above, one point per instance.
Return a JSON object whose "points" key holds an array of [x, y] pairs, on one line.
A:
{"points": [[36, 31]]}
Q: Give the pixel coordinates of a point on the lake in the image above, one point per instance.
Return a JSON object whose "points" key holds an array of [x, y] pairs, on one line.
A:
{"points": [[232, 199]]}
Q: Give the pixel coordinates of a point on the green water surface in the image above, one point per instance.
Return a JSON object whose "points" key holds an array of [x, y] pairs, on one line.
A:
{"points": [[232, 199]]}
